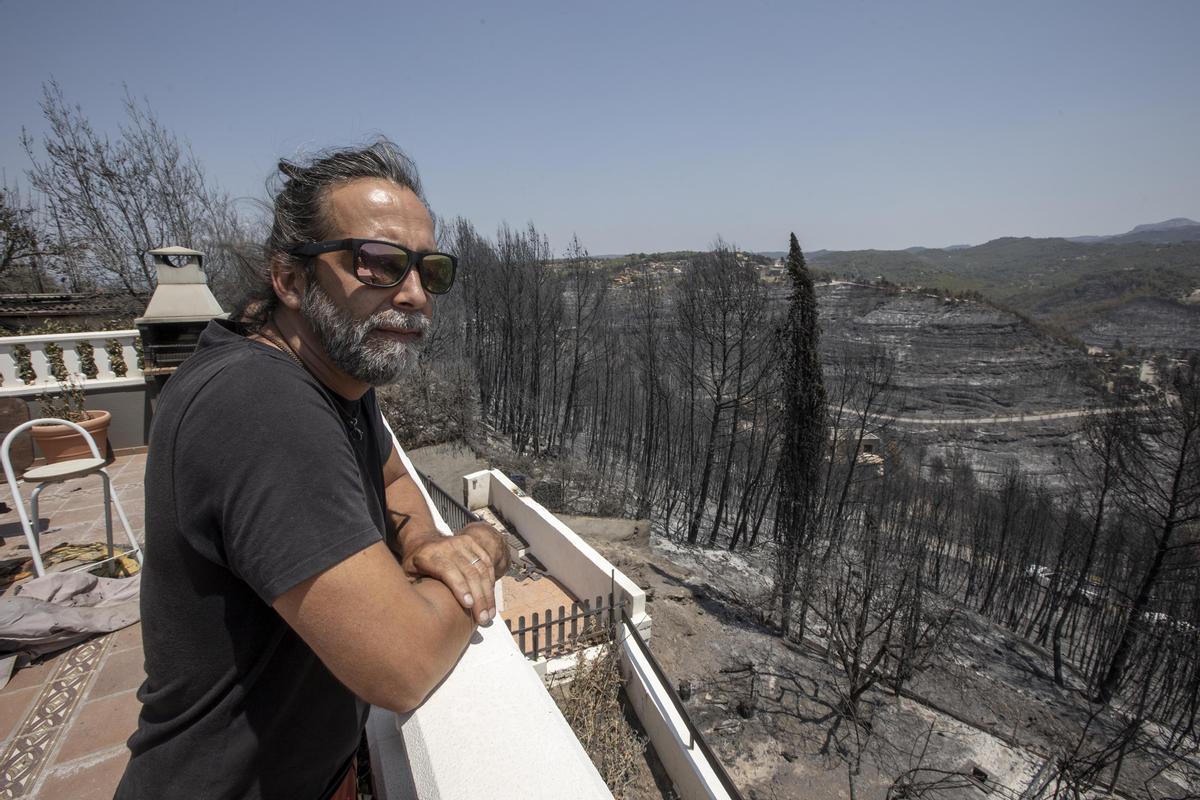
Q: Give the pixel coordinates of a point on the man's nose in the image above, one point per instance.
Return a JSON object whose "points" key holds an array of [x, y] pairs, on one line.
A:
{"points": [[410, 294]]}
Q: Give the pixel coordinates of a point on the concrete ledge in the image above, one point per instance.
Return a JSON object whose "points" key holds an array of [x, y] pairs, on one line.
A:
{"points": [[389, 760], [491, 730]]}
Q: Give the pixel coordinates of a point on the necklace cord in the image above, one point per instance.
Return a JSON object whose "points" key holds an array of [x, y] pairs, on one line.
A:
{"points": [[351, 422]]}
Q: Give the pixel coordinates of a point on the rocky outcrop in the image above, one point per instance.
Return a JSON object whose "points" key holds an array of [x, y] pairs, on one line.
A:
{"points": [[957, 358]]}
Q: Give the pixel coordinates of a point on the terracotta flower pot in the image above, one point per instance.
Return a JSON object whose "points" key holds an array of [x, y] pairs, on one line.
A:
{"points": [[62, 443]]}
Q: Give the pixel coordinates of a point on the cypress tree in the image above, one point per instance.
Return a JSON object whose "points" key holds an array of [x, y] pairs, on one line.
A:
{"points": [[804, 433]]}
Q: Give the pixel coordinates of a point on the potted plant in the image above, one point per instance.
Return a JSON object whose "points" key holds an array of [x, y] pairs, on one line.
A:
{"points": [[62, 442]]}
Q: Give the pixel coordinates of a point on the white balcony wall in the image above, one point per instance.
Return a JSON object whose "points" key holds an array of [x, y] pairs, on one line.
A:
{"points": [[575, 564], [572, 561], [691, 773], [490, 729], [13, 385]]}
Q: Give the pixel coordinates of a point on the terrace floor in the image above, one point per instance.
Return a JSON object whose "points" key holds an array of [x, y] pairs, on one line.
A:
{"points": [[528, 597], [528, 592], [64, 720]]}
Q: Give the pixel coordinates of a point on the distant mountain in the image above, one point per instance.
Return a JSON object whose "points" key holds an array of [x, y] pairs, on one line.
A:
{"points": [[1177, 222], [1189, 233], [1068, 283], [1179, 229]]}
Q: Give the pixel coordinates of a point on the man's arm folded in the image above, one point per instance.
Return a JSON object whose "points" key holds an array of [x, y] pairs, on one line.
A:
{"points": [[389, 639], [470, 562]]}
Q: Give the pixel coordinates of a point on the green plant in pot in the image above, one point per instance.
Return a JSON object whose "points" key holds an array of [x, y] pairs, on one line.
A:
{"points": [[62, 442]]}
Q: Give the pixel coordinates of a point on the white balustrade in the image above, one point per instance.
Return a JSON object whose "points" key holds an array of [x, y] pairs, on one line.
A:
{"points": [[13, 384]]}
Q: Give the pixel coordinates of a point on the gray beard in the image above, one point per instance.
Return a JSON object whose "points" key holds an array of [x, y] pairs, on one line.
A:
{"points": [[375, 360]]}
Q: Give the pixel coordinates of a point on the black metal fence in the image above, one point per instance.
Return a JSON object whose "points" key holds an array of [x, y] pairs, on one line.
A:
{"points": [[557, 633], [454, 512], [696, 738]]}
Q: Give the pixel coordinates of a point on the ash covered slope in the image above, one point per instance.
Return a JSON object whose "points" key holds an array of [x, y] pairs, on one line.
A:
{"points": [[1069, 284], [1147, 323], [957, 358]]}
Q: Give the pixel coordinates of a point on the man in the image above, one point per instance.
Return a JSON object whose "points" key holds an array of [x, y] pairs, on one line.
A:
{"points": [[293, 572]]}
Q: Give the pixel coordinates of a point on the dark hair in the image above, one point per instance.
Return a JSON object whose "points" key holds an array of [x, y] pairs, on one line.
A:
{"points": [[299, 212]]}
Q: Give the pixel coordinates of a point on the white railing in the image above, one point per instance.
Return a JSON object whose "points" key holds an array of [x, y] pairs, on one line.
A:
{"points": [[28, 364]]}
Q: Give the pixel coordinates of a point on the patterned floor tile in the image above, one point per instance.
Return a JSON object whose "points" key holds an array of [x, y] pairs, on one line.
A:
{"points": [[26, 755]]}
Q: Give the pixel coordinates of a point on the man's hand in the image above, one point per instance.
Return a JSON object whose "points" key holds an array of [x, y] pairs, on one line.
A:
{"points": [[468, 563]]}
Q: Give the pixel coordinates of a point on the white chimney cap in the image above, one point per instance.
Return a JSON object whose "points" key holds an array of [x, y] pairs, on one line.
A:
{"points": [[174, 251]]}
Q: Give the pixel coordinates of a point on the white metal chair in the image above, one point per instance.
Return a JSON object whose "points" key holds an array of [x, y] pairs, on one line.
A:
{"points": [[49, 474]]}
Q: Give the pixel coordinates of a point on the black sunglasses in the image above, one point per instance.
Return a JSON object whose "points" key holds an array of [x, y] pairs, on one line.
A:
{"points": [[384, 264]]}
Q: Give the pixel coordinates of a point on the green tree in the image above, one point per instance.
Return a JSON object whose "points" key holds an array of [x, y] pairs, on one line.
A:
{"points": [[804, 433]]}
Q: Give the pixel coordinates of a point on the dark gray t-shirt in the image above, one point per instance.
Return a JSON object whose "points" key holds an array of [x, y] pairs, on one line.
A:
{"points": [[255, 482]]}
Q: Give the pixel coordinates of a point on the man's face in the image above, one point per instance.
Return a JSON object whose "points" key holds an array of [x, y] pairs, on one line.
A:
{"points": [[373, 335]]}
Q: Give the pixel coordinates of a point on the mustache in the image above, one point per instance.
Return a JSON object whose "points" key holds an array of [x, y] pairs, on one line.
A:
{"points": [[399, 319]]}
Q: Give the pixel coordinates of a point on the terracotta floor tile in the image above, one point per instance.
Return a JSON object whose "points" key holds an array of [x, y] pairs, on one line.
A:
{"points": [[120, 672], [71, 534], [76, 516], [12, 532], [33, 674], [131, 502], [96, 529], [100, 725], [14, 706], [132, 486], [92, 503], [134, 509], [131, 481], [60, 491], [96, 781], [529, 596], [127, 638]]}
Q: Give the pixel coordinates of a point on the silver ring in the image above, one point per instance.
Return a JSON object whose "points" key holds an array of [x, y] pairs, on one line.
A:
{"points": [[476, 561]]}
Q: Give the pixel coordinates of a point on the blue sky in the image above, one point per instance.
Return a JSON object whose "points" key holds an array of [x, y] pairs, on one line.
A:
{"points": [[659, 125]]}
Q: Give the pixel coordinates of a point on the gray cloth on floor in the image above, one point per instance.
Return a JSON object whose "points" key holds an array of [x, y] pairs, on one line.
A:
{"points": [[64, 608]]}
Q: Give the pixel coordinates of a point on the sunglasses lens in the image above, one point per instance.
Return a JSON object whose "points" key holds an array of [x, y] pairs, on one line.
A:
{"points": [[437, 273], [380, 264]]}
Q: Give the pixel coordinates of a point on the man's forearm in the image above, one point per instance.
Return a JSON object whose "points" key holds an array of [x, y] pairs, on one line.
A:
{"points": [[388, 638], [410, 516], [468, 562], [455, 624]]}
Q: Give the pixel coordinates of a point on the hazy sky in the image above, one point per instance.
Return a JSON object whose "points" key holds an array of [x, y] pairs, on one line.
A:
{"points": [[658, 125]]}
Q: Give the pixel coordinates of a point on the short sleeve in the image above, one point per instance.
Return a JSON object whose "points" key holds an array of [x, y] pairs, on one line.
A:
{"points": [[384, 442], [266, 479]]}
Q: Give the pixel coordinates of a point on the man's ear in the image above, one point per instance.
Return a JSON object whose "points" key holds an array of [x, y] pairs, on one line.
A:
{"points": [[288, 282]]}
